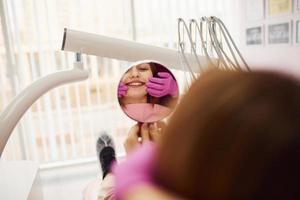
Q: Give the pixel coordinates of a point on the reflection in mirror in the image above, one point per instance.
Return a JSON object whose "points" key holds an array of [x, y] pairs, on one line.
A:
{"points": [[147, 92]]}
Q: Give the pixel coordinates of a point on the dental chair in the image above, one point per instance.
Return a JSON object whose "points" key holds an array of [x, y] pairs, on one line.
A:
{"points": [[20, 179]]}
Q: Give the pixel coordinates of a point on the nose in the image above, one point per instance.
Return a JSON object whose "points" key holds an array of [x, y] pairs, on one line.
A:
{"points": [[134, 73]]}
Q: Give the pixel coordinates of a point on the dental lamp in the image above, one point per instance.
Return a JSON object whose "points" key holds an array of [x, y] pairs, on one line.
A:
{"points": [[84, 43], [93, 44]]}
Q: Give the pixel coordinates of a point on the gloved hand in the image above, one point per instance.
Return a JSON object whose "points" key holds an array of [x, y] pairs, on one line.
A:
{"points": [[165, 85], [135, 171], [122, 89]]}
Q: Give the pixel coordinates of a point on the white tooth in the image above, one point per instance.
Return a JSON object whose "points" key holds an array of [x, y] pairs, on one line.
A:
{"points": [[135, 84]]}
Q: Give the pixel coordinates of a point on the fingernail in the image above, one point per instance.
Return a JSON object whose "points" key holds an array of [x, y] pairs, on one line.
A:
{"points": [[140, 139]]}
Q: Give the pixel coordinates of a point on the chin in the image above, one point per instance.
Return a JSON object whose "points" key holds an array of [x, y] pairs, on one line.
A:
{"points": [[137, 93], [132, 96], [137, 96]]}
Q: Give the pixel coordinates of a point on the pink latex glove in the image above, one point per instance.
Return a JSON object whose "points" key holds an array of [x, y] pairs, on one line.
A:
{"points": [[122, 89], [135, 171], [165, 85]]}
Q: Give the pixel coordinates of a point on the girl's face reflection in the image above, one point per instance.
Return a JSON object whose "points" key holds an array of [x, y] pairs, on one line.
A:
{"points": [[136, 78]]}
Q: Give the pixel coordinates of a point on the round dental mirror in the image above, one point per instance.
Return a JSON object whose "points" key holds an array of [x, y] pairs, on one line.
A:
{"points": [[148, 92]]}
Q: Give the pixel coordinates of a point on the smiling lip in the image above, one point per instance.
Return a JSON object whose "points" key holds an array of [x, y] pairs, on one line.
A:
{"points": [[135, 83]]}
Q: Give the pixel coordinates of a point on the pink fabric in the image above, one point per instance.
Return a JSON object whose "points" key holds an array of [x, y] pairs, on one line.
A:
{"points": [[146, 112], [165, 85], [136, 170], [107, 188]]}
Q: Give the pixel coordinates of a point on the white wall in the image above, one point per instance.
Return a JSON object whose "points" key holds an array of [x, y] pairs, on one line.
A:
{"points": [[285, 58]]}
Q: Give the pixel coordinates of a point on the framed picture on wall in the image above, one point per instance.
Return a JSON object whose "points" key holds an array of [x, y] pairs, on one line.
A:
{"points": [[279, 33], [297, 32], [254, 35], [255, 10], [298, 5], [279, 7]]}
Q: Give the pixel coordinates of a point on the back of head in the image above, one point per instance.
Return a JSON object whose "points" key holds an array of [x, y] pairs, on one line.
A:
{"points": [[235, 135]]}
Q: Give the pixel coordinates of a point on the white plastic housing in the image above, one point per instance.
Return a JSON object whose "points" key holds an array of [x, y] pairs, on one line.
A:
{"points": [[98, 45], [15, 110]]}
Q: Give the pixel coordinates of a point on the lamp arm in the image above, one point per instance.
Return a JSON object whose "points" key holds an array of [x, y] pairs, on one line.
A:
{"points": [[20, 104]]}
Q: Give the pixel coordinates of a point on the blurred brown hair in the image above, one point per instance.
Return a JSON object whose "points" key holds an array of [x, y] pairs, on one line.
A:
{"points": [[235, 135]]}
